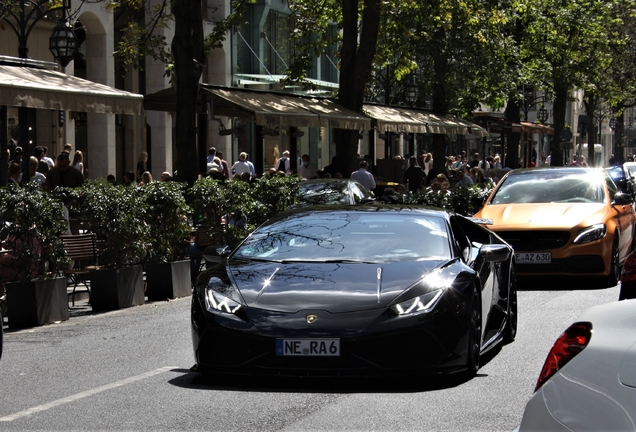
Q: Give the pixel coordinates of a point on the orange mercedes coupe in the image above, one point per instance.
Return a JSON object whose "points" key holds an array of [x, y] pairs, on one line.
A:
{"points": [[563, 221]]}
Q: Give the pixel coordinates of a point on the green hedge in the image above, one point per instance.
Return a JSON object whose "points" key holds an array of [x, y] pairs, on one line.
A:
{"points": [[153, 223]]}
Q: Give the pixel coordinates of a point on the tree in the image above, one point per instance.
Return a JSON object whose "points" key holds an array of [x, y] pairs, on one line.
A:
{"points": [[184, 60], [568, 45], [360, 23]]}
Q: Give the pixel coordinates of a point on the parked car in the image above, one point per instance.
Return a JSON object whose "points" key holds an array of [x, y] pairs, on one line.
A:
{"points": [[563, 221], [622, 178], [588, 381], [333, 191], [356, 290], [630, 167]]}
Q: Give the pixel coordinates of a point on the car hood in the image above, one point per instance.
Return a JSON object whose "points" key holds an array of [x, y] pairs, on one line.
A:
{"points": [[540, 215], [336, 288]]}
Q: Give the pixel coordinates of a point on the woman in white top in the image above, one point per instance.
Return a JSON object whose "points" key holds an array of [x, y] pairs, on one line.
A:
{"points": [[78, 161]]}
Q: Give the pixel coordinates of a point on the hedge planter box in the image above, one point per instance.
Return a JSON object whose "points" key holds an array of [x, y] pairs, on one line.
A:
{"points": [[37, 302], [120, 288], [168, 280]]}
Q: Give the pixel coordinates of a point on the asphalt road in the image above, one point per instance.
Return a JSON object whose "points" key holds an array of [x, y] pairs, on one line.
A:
{"points": [[130, 370]]}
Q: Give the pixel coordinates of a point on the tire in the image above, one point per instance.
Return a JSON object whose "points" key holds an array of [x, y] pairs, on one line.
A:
{"points": [[510, 331], [474, 334], [613, 278]]}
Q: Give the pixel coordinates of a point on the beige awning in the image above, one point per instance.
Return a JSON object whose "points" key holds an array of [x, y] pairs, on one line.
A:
{"points": [[47, 89], [412, 120], [282, 110]]}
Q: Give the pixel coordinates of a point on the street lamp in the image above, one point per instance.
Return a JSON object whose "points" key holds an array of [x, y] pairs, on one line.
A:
{"points": [[63, 45], [22, 20], [63, 42], [542, 114], [412, 92]]}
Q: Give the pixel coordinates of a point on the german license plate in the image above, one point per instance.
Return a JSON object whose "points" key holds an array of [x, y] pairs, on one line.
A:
{"points": [[307, 347], [534, 257]]}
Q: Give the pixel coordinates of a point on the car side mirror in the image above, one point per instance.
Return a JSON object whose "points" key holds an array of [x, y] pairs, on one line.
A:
{"points": [[494, 252], [622, 199], [213, 254]]}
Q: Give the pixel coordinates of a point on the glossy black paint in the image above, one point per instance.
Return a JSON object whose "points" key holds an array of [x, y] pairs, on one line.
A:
{"points": [[350, 304], [332, 191]]}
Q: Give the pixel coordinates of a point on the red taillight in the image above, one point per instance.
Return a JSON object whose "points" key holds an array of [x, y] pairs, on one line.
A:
{"points": [[628, 274], [567, 346]]}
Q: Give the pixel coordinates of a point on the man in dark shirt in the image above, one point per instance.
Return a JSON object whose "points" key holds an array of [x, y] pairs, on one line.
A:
{"points": [[63, 174], [414, 175]]}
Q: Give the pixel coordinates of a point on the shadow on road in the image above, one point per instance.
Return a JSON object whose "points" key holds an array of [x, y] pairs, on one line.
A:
{"points": [[406, 384]]}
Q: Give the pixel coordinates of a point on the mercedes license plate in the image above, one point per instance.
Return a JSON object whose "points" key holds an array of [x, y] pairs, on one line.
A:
{"points": [[534, 257], [308, 347]]}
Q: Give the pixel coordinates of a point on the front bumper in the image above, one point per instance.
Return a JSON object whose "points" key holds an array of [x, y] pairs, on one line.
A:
{"points": [[371, 342]]}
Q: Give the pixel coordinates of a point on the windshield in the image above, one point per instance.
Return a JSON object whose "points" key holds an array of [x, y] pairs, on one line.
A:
{"points": [[549, 187], [349, 237]]}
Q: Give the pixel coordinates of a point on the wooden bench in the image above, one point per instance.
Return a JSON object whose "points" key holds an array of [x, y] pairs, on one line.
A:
{"points": [[82, 249]]}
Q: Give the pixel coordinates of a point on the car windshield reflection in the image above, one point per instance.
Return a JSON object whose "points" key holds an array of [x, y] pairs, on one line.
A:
{"points": [[550, 188], [349, 238]]}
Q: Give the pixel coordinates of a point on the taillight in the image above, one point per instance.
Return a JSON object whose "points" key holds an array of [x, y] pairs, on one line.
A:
{"points": [[628, 274], [567, 346]]}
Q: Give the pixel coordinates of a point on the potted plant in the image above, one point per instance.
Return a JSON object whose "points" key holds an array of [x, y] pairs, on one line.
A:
{"points": [[167, 271], [116, 215], [31, 234]]}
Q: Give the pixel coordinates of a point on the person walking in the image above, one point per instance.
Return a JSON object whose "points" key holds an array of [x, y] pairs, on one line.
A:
{"points": [[78, 161], [284, 163], [414, 175], [141, 165]]}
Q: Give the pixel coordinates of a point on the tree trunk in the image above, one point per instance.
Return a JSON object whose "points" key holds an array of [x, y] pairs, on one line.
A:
{"points": [[591, 104], [356, 61], [189, 59], [557, 143], [440, 106], [513, 116]]}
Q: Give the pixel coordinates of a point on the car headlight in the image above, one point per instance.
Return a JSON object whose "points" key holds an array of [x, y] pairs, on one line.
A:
{"points": [[591, 233], [423, 303], [216, 300]]}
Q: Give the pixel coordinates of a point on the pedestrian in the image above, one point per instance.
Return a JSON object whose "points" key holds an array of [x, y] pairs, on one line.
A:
{"points": [[35, 175], [17, 156], [141, 165], [240, 166], [305, 169], [165, 176], [129, 178], [78, 161], [63, 174], [68, 147], [146, 178], [414, 175], [43, 167], [211, 154], [283, 164], [46, 158], [363, 176], [224, 164], [15, 173]]}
